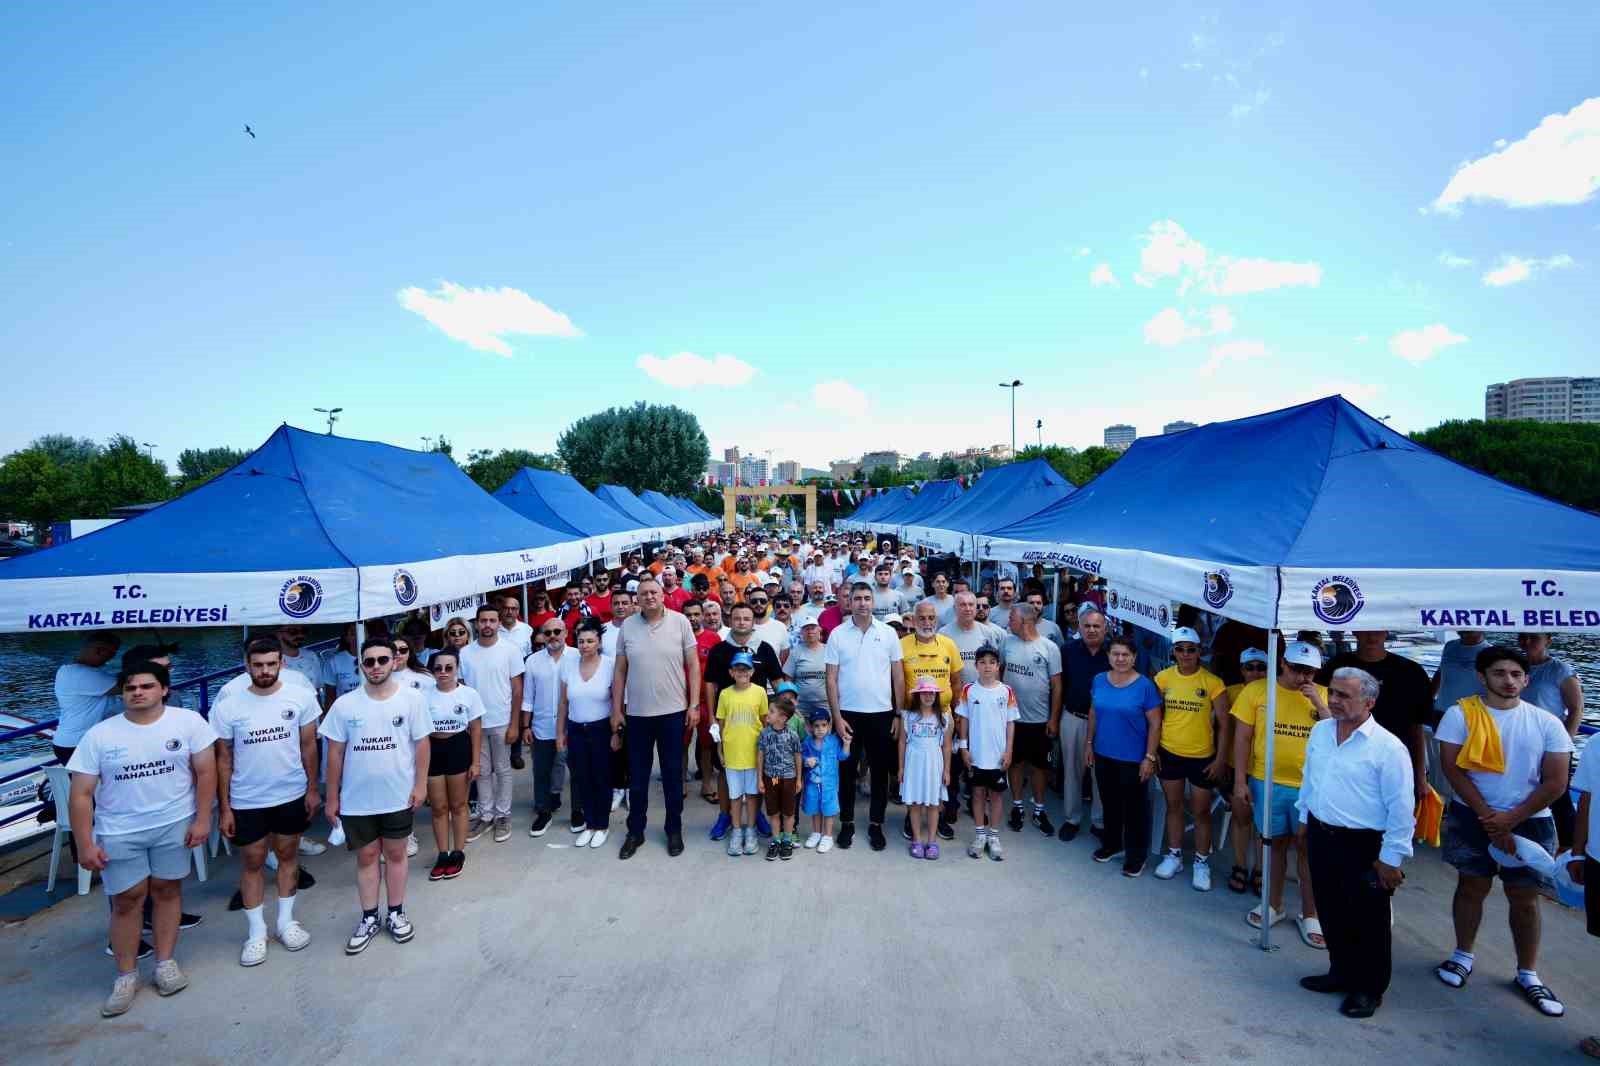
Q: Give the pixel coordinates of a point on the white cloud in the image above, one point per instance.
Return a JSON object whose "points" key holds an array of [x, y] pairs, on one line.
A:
{"points": [[1082, 252], [1243, 276], [1171, 327], [1168, 251], [1420, 345], [1558, 162], [479, 318], [1244, 108], [1233, 351], [1102, 276], [1514, 269], [1453, 262], [839, 397], [686, 370]]}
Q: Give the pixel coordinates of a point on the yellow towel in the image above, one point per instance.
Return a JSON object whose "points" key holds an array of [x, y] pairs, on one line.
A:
{"points": [[1430, 812], [1482, 750]]}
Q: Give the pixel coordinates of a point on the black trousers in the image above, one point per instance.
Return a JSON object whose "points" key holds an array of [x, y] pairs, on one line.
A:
{"points": [[869, 737], [1126, 803], [646, 737], [1353, 907]]}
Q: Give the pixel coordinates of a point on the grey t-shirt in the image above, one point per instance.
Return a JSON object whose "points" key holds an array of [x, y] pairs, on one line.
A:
{"points": [[946, 609], [1029, 666], [657, 682], [970, 641], [810, 674], [889, 601], [1052, 632], [1000, 615]]}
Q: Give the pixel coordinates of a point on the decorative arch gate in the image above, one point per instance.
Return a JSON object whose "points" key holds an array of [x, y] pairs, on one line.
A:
{"points": [[731, 494]]}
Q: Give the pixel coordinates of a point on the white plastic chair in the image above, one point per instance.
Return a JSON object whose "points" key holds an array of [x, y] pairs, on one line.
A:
{"points": [[61, 791]]}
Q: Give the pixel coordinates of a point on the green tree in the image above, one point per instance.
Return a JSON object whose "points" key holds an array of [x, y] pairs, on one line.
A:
{"points": [[1558, 460], [646, 446], [120, 475], [70, 453], [196, 466], [1080, 468], [493, 469], [35, 489], [947, 469]]}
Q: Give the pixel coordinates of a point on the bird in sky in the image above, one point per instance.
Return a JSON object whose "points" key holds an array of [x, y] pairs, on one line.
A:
{"points": [[250, 131]]}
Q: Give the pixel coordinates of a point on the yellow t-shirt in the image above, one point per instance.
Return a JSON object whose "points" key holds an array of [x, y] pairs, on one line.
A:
{"points": [[936, 659], [1293, 725], [1186, 727], [741, 715]]}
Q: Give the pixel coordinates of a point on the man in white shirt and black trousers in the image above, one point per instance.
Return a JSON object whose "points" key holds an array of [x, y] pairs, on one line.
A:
{"points": [[1357, 791]]}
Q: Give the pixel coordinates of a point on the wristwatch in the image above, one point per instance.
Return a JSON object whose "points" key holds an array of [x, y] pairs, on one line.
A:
{"points": [[1148, 757]]}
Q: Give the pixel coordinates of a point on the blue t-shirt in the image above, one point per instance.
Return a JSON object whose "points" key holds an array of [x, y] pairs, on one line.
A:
{"points": [[1544, 687], [1120, 728]]}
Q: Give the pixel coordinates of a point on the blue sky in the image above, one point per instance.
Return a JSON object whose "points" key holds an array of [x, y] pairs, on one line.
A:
{"points": [[480, 223]]}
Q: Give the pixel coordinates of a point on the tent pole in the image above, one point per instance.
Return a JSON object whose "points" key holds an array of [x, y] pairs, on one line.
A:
{"points": [[1266, 790]]}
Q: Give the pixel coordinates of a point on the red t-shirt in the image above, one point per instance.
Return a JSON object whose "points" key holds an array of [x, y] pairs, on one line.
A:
{"points": [[571, 616], [599, 607], [830, 619], [677, 598]]}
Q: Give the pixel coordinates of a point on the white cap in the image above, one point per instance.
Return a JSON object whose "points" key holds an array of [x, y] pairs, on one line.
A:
{"points": [[1185, 635], [1252, 655], [1302, 654]]}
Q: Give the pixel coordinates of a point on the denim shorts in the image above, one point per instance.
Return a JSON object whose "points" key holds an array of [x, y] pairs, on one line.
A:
{"points": [[741, 783], [1284, 818], [1466, 846], [157, 852], [814, 800]]}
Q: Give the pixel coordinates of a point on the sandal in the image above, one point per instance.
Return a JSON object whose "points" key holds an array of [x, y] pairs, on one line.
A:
{"points": [[1590, 1046], [1253, 919], [1451, 966], [1255, 882], [1311, 932], [1543, 1000], [710, 797], [1239, 879]]}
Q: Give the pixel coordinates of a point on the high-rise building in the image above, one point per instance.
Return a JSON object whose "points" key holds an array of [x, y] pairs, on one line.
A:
{"points": [[843, 469], [730, 455], [1120, 436], [1544, 400], [787, 471], [873, 460], [1177, 427], [752, 471], [727, 473]]}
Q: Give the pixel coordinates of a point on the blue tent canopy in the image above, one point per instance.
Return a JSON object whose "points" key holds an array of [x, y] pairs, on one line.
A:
{"points": [[669, 507], [309, 527], [931, 497], [1320, 516], [560, 502], [1002, 494], [695, 508], [664, 526], [876, 507]]}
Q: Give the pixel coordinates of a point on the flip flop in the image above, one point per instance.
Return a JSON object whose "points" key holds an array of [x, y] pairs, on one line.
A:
{"points": [[709, 799], [1451, 966], [1239, 880], [1311, 928], [1253, 918]]}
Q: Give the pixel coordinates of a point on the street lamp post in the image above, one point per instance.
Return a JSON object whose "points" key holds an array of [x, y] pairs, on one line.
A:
{"points": [[1013, 385], [332, 413], [150, 448], [1039, 425]]}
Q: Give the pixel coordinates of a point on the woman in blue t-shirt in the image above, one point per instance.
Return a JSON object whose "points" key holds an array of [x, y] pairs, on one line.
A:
{"points": [[1124, 726]]}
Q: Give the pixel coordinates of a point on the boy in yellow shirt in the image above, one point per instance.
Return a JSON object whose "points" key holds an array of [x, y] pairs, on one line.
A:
{"points": [[740, 713]]}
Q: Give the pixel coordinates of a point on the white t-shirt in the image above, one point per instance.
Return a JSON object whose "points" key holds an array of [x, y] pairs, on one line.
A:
{"points": [[608, 639], [265, 734], [380, 754], [239, 684], [541, 681], [146, 778], [866, 661], [490, 670], [521, 635], [341, 672], [454, 711], [987, 710], [774, 633], [423, 683], [1587, 779], [1527, 734], [587, 701], [307, 665], [81, 702]]}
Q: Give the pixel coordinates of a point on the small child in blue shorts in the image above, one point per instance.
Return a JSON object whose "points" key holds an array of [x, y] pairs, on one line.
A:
{"points": [[820, 756]]}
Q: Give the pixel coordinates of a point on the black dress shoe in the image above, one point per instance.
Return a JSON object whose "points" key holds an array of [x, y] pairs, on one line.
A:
{"points": [[847, 834], [1360, 1005], [630, 844], [1067, 831], [1322, 982], [674, 844], [876, 838]]}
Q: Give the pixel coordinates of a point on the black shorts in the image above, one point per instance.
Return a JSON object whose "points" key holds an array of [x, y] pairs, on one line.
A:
{"points": [[1185, 768], [362, 829], [1591, 894], [286, 819], [991, 780], [1030, 744], [451, 755]]}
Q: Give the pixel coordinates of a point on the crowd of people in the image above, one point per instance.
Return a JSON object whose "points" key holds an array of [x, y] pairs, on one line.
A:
{"points": [[793, 680]]}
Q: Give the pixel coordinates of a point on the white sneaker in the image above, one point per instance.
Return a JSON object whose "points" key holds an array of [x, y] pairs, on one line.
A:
{"points": [[824, 845], [123, 991], [813, 840], [750, 841], [599, 838], [255, 952], [1170, 864], [1201, 878], [412, 847], [170, 979], [584, 838], [311, 847], [293, 936], [735, 843], [616, 797]]}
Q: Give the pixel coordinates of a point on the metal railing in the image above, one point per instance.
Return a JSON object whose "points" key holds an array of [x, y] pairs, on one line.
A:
{"points": [[201, 684]]}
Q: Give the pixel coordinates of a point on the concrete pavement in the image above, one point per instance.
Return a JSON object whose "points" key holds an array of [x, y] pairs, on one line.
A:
{"points": [[539, 952]]}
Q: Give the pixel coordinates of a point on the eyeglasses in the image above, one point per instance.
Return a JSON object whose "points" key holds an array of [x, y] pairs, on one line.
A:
{"points": [[376, 660], [457, 632], [553, 632], [444, 668], [1262, 667]]}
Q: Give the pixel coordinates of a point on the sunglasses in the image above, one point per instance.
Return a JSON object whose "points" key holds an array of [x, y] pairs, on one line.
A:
{"points": [[376, 660], [444, 668], [553, 632], [1254, 666]]}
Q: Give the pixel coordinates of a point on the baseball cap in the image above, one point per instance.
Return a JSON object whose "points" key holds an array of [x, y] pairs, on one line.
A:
{"points": [[786, 687], [820, 715], [1185, 635], [810, 620], [743, 658], [632, 586], [1252, 655], [1302, 654]]}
